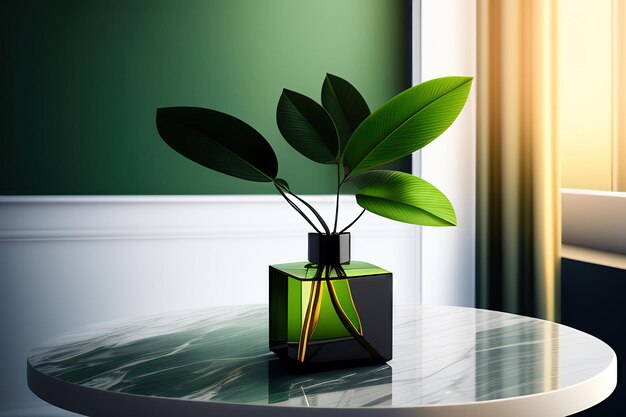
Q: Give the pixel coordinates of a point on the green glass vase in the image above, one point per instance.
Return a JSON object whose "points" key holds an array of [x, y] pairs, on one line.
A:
{"points": [[330, 310]]}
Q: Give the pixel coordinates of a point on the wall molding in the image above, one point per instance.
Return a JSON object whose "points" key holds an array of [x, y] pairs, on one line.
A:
{"points": [[49, 218]]}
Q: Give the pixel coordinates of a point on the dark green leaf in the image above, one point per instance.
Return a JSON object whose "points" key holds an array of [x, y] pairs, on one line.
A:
{"points": [[218, 141], [406, 123], [405, 198], [307, 127], [345, 105]]}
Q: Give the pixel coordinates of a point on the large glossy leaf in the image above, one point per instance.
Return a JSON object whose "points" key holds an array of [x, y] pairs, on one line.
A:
{"points": [[218, 141], [406, 123], [346, 106], [405, 198], [307, 127]]}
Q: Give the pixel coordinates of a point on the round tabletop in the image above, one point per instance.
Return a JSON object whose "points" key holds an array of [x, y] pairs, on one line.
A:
{"points": [[448, 361]]}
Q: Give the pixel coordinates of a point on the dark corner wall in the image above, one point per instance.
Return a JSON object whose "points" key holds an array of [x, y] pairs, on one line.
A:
{"points": [[593, 301], [81, 80]]}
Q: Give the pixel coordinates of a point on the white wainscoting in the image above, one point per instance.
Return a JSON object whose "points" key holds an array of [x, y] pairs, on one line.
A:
{"points": [[69, 261]]}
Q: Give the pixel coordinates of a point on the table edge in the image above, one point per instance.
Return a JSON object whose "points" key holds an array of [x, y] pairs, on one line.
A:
{"points": [[98, 402]]}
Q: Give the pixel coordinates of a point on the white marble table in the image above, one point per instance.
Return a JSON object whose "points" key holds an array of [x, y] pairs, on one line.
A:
{"points": [[448, 361]]}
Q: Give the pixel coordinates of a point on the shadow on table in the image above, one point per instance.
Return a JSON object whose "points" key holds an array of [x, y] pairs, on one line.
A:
{"points": [[363, 386]]}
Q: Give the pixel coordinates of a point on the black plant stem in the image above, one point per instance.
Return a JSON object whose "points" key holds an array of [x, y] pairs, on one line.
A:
{"points": [[296, 208], [353, 221], [339, 183], [321, 220]]}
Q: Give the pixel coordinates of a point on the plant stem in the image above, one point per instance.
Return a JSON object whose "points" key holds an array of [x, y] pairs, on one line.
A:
{"points": [[356, 334], [337, 201], [321, 220], [353, 221], [312, 314], [296, 208]]}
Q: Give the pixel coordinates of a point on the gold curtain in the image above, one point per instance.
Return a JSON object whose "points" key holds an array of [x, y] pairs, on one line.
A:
{"points": [[619, 95], [518, 181]]}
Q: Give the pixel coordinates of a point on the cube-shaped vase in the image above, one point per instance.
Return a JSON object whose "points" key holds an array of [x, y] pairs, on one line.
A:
{"points": [[339, 314]]}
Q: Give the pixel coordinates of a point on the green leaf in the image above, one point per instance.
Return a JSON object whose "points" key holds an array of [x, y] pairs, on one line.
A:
{"points": [[405, 198], [345, 105], [307, 127], [218, 141], [406, 123]]}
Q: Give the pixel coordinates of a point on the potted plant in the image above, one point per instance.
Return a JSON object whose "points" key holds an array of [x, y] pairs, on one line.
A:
{"points": [[331, 309]]}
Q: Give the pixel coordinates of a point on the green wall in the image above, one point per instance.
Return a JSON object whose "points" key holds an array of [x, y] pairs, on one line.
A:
{"points": [[81, 81]]}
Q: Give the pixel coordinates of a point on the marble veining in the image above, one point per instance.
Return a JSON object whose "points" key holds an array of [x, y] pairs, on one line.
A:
{"points": [[442, 355]]}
